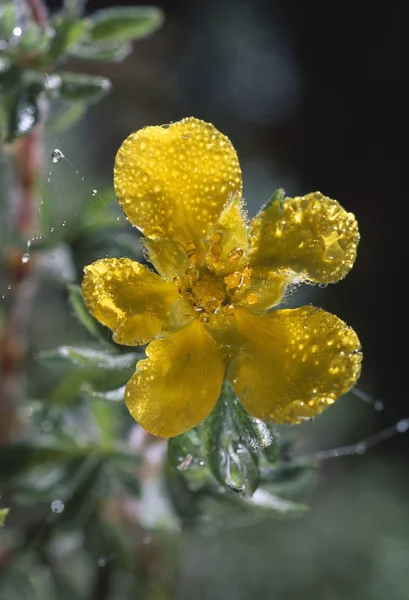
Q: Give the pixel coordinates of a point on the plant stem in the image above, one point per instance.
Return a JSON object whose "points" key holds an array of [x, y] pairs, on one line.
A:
{"points": [[20, 274]]}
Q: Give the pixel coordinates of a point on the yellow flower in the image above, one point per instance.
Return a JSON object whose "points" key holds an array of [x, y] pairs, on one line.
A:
{"points": [[207, 311]]}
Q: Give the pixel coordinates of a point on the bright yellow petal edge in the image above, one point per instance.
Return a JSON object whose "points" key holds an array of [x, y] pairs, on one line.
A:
{"points": [[173, 181], [218, 275]]}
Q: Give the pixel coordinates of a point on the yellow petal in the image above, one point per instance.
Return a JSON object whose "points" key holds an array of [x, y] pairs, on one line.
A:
{"points": [[167, 256], [228, 240], [293, 363], [267, 289], [133, 302], [174, 181], [313, 235], [178, 385]]}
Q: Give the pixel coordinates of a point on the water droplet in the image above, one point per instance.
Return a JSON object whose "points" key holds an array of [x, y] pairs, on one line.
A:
{"points": [[25, 258], [64, 223], [57, 155], [52, 229], [102, 561], [57, 506], [402, 425], [94, 192]]}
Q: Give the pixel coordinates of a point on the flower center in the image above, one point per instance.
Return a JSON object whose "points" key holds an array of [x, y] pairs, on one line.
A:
{"points": [[209, 289]]}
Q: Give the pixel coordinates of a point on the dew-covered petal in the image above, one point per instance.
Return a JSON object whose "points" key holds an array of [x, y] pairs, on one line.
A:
{"points": [[313, 235], [227, 243], [167, 256], [173, 181], [178, 385], [133, 302], [267, 289], [293, 363]]}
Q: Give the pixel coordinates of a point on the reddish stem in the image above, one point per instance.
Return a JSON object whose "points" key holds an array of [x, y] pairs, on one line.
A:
{"points": [[20, 276], [39, 12]]}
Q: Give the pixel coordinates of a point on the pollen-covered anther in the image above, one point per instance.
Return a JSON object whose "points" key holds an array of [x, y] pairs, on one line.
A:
{"points": [[190, 249], [252, 298], [233, 280], [216, 249], [234, 255]]}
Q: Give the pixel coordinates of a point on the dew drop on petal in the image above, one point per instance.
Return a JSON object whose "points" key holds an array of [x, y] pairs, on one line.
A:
{"points": [[25, 258]]}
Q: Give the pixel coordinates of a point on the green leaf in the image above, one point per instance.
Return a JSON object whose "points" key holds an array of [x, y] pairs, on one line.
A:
{"points": [[278, 196], [81, 312], [116, 395], [88, 357], [233, 442], [104, 416], [7, 20], [30, 38], [25, 113], [263, 499], [16, 458], [107, 52], [68, 32], [124, 23], [79, 87], [3, 515]]}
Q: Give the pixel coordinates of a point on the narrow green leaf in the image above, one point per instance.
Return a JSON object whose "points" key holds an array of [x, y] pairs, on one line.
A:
{"points": [[104, 52], [263, 499], [7, 20], [68, 32], [104, 416], [3, 514], [16, 458], [116, 395], [81, 312], [83, 88], [124, 23], [88, 357]]}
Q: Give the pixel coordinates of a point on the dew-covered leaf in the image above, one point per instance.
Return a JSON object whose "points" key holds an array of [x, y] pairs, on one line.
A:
{"points": [[68, 32], [124, 23], [103, 52], [88, 357], [264, 500], [83, 88], [116, 395]]}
